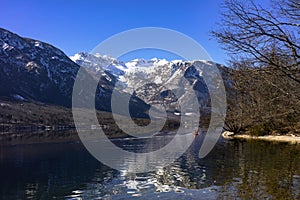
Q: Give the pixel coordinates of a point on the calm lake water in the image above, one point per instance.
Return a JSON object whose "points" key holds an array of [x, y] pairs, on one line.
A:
{"points": [[233, 170]]}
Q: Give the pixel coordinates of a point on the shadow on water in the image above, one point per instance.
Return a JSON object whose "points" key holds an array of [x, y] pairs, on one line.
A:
{"points": [[233, 170]]}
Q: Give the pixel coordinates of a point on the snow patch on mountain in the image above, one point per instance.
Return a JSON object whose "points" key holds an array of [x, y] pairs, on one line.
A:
{"points": [[98, 63], [7, 47], [38, 44], [18, 97]]}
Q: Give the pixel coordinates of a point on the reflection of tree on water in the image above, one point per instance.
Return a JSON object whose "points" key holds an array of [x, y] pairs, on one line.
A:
{"points": [[246, 170], [266, 170]]}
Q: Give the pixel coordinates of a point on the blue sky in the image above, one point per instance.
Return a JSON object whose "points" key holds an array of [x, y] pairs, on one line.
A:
{"points": [[76, 26]]}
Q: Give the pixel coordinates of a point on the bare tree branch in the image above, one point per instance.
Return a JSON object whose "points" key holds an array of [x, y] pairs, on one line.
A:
{"points": [[251, 30]]}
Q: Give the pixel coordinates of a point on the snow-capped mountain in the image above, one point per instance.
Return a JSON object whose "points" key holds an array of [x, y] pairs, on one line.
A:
{"points": [[131, 74], [150, 80]]}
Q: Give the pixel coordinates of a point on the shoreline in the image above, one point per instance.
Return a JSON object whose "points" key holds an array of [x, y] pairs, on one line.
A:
{"points": [[272, 138]]}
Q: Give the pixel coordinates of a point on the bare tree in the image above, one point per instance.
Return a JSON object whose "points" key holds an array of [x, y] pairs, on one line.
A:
{"points": [[264, 45], [265, 99], [252, 31]]}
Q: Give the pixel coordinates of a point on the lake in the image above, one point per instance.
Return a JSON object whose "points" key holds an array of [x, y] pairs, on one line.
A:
{"points": [[232, 170]]}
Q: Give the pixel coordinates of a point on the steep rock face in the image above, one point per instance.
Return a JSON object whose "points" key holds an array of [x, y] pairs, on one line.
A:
{"points": [[33, 70]]}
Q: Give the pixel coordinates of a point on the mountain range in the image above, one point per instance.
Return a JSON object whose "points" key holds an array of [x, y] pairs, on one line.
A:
{"points": [[34, 71], [149, 79]]}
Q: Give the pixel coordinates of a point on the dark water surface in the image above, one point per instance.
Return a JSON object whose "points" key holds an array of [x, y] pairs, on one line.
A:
{"points": [[233, 170]]}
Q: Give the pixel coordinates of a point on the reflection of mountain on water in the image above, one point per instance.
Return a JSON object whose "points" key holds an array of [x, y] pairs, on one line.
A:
{"points": [[232, 169], [32, 137]]}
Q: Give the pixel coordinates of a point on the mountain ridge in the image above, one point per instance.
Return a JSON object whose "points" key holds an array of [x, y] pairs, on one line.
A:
{"points": [[34, 71]]}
